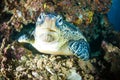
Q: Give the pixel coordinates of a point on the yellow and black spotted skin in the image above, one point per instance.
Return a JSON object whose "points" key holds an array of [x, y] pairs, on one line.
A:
{"points": [[53, 35]]}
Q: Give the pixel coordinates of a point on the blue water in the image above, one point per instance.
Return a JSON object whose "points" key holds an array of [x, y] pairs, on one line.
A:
{"points": [[114, 14]]}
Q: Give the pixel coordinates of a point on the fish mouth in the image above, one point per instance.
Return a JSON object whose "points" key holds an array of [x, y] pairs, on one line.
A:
{"points": [[49, 29], [46, 34], [47, 37]]}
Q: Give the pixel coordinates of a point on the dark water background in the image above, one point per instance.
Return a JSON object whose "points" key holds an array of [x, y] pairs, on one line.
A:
{"points": [[114, 14]]}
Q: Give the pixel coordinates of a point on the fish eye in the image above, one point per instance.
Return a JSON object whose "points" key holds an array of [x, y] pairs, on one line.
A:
{"points": [[40, 19], [60, 21], [42, 15]]}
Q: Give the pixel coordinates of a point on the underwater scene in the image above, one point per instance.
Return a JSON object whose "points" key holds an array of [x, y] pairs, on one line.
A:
{"points": [[59, 39]]}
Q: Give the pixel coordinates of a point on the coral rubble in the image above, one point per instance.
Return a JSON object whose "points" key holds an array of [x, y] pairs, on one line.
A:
{"points": [[17, 62]]}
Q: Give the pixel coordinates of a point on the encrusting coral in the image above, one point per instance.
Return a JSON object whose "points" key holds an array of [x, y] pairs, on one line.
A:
{"points": [[17, 62]]}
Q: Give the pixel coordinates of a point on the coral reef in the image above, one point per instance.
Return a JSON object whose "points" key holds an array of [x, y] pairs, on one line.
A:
{"points": [[17, 62]]}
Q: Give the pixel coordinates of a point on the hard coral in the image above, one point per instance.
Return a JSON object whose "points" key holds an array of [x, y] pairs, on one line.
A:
{"points": [[5, 31], [33, 5], [101, 6], [89, 15], [113, 57]]}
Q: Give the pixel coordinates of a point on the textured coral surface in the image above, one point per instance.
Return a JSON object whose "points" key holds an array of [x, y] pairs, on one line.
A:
{"points": [[24, 63]]}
